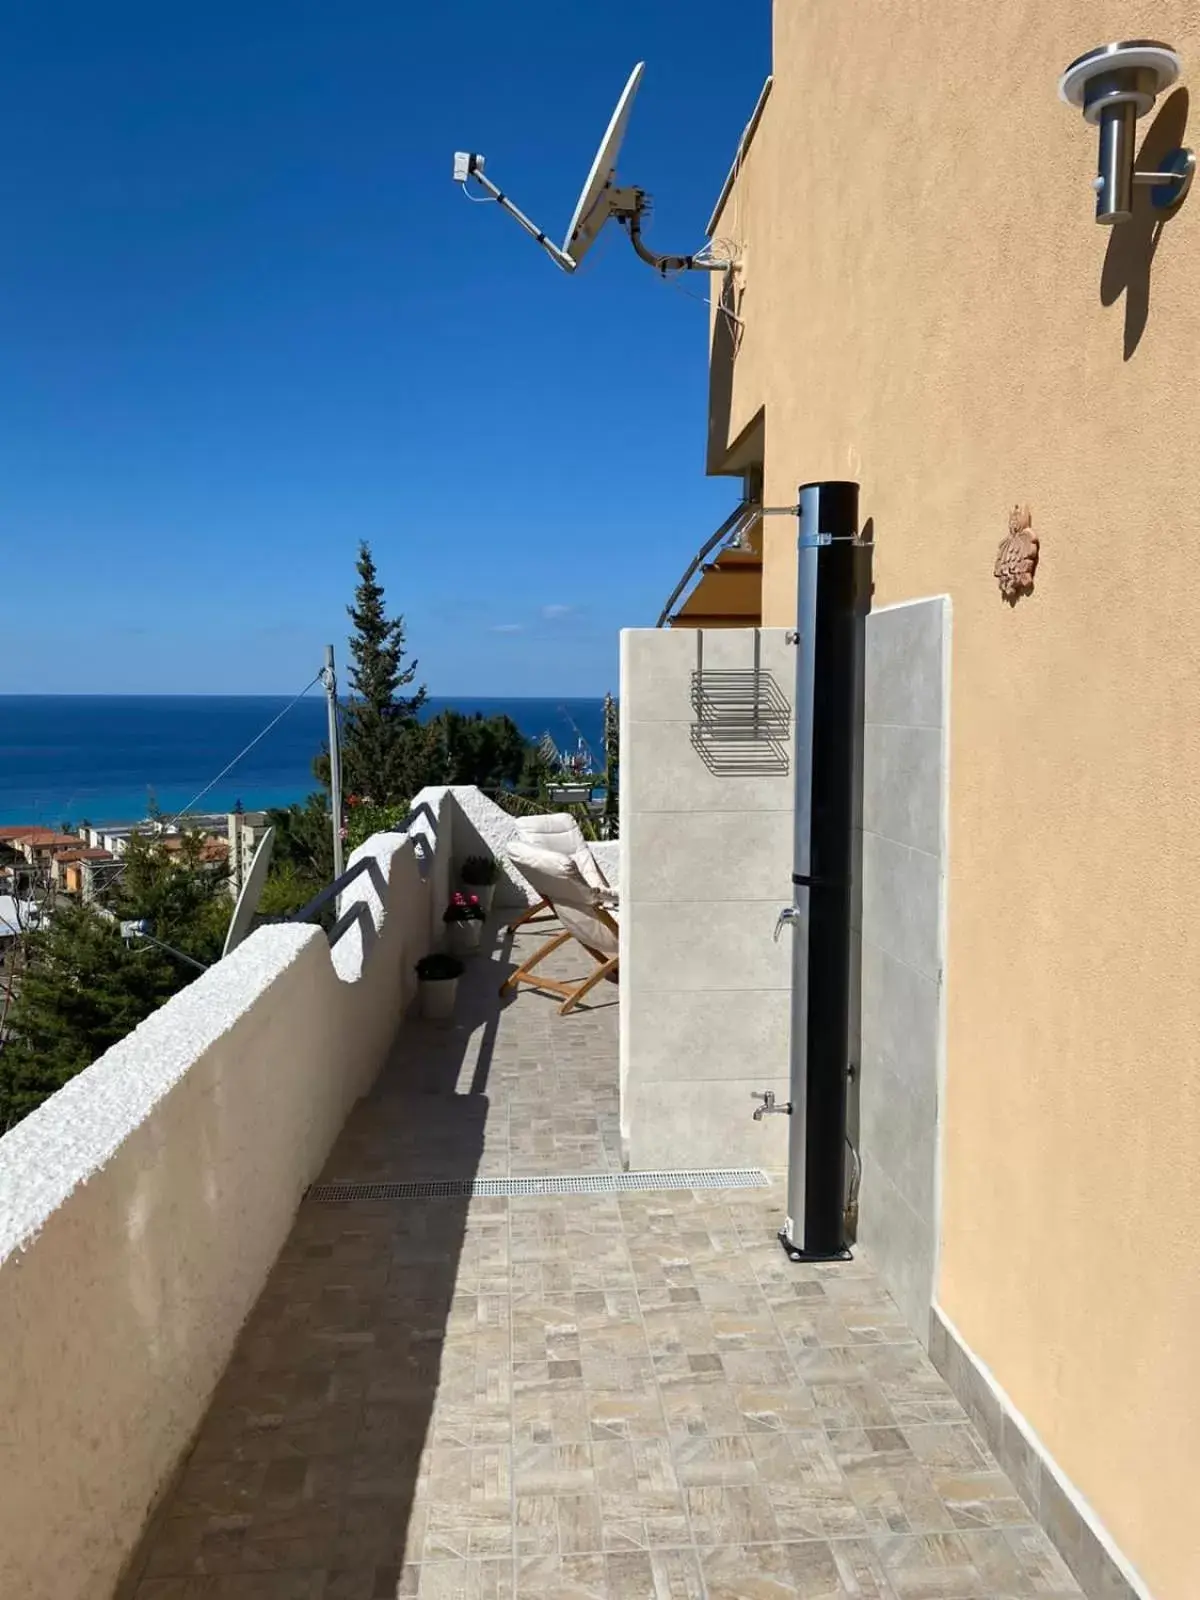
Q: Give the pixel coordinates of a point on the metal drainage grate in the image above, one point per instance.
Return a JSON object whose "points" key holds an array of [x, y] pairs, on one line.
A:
{"points": [[584, 1183]]}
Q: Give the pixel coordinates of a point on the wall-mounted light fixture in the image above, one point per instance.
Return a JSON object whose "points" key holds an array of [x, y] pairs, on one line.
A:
{"points": [[1113, 86]]}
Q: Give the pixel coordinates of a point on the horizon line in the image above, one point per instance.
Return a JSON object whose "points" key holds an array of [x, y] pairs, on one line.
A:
{"points": [[245, 694]]}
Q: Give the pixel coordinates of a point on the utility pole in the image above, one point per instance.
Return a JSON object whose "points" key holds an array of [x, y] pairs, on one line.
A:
{"points": [[236, 848], [329, 679]]}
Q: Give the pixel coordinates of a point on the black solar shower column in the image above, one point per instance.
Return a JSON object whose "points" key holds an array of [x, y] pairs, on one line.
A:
{"points": [[827, 671]]}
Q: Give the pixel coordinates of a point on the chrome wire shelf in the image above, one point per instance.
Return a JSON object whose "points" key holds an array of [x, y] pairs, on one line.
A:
{"points": [[743, 722]]}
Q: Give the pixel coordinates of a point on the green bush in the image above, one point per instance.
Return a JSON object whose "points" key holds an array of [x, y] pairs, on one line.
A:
{"points": [[365, 817]]}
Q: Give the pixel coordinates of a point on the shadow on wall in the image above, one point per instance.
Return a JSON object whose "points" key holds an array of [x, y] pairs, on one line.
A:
{"points": [[867, 574], [726, 337], [1132, 244], [328, 1399]]}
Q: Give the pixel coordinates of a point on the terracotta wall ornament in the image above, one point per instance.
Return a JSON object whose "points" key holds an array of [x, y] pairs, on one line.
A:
{"points": [[1017, 557]]}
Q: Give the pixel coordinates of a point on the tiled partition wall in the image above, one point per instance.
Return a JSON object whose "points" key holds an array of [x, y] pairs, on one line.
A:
{"points": [[903, 854], [706, 850], [706, 847]]}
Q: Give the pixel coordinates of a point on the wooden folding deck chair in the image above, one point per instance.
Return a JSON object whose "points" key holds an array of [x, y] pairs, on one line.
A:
{"points": [[585, 918], [531, 914], [557, 831]]}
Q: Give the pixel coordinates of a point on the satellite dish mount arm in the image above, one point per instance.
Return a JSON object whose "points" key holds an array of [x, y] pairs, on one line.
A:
{"points": [[468, 165]]}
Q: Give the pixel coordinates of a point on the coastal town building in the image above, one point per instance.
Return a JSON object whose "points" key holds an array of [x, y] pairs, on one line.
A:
{"points": [[36, 845], [244, 832], [18, 916], [66, 872]]}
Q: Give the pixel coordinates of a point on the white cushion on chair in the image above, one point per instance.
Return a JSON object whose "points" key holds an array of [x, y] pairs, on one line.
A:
{"points": [[559, 831], [580, 907], [589, 868], [547, 870], [594, 928]]}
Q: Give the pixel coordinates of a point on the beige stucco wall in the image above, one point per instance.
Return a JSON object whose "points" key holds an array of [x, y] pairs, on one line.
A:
{"points": [[929, 308], [142, 1207]]}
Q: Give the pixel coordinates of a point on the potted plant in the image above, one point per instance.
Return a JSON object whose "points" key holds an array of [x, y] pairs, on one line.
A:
{"points": [[464, 922], [479, 876], [437, 985]]}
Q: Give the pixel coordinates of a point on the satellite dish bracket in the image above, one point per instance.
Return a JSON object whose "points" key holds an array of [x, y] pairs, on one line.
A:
{"points": [[629, 206], [599, 200]]}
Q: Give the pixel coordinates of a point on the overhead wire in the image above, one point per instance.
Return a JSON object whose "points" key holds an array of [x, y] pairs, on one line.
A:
{"points": [[228, 767], [244, 751]]}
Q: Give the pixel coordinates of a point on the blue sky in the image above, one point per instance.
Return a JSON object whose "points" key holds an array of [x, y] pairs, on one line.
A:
{"points": [[247, 319]]}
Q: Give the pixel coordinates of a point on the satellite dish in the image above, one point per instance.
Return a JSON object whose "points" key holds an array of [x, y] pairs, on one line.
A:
{"points": [[593, 209], [247, 903], [599, 200]]}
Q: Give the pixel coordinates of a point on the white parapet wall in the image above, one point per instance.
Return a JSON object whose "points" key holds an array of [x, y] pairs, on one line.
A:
{"points": [[143, 1205], [482, 827]]}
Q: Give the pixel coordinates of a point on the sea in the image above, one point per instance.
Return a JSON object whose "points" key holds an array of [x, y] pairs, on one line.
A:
{"points": [[102, 758]]}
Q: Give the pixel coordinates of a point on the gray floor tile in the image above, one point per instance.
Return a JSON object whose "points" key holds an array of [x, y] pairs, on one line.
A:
{"points": [[632, 1395]]}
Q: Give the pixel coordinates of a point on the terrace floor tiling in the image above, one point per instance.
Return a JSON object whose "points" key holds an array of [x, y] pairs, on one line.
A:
{"points": [[571, 1397]]}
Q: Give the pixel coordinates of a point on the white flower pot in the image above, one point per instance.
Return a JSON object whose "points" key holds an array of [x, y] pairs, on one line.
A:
{"points": [[437, 998], [485, 893], [463, 937]]}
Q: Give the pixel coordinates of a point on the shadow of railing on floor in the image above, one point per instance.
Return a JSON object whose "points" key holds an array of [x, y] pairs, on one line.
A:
{"points": [[383, 1333], [375, 1310]]}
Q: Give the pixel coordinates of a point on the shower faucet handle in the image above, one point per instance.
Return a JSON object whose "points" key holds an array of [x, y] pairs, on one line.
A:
{"points": [[787, 917], [769, 1106]]}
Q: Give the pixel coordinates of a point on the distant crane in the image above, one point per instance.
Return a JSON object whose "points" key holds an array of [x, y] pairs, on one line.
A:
{"points": [[582, 761]]}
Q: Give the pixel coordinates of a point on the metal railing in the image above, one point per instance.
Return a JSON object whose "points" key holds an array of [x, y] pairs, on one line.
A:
{"points": [[744, 513], [359, 911], [352, 914]]}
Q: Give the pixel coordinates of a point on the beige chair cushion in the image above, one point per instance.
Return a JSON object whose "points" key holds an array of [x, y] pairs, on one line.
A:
{"points": [[594, 932], [549, 873], [589, 868], [559, 831], [583, 910]]}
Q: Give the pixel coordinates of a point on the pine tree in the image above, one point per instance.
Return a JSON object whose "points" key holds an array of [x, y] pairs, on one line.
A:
{"points": [[82, 988], [381, 740], [469, 748], [81, 991], [180, 893], [303, 843]]}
